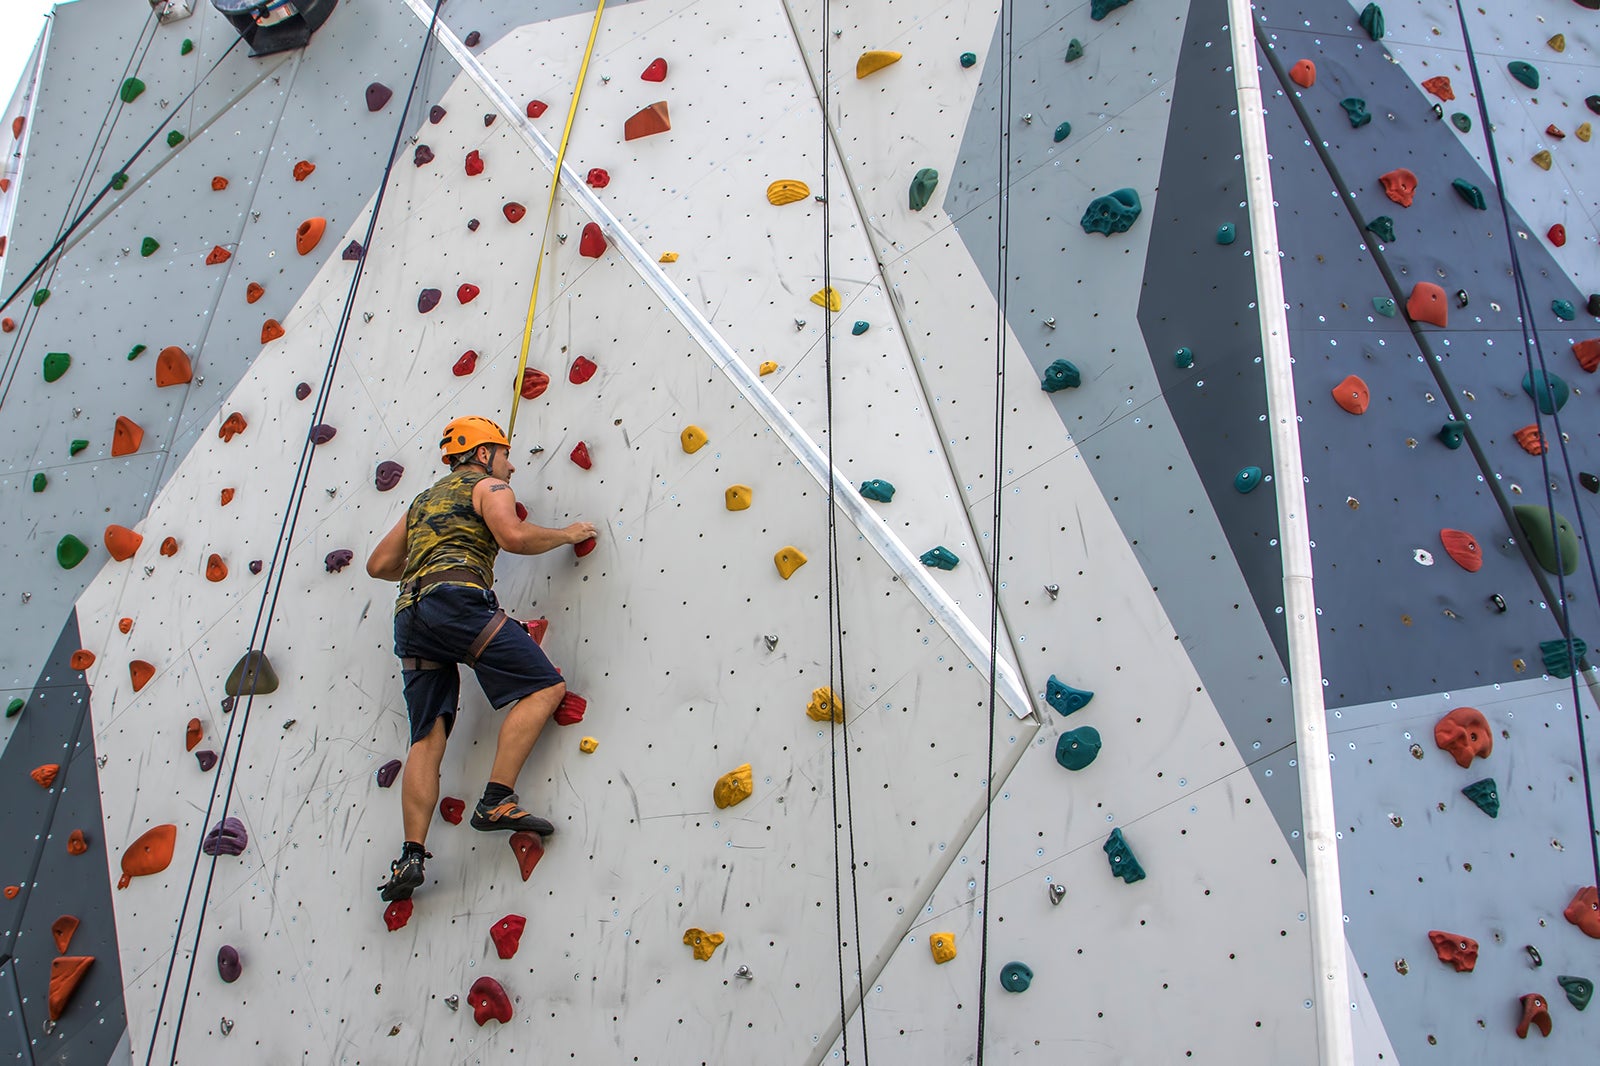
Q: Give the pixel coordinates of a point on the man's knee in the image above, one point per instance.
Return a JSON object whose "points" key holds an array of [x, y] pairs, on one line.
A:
{"points": [[433, 740]]}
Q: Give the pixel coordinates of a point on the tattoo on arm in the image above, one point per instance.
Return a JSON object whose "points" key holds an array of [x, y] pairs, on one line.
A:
{"points": [[499, 488]]}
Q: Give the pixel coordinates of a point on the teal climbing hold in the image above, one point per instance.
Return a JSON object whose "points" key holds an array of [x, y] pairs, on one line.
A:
{"points": [[77, 446], [1462, 122], [1564, 310], [1064, 698], [14, 708], [1060, 375], [1063, 131], [1545, 533], [1485, 795], [1560, 660], [71, 551], [40, 296], [1183, 358], [1384, 305], [969, 59], [1372, 21], [877, 489], [1579, 990], [148, 246], [1548, 390], [1247, 479], [174, 139], [1123, 864], [1113, 213], [40, 481], [55, 364], [138, 350], [1450, 434], [1016, 976], [1382, 228], [1225, 233], [1077, 748], [1099, 9], [941, 558], [1074, 50], [861, 326], [186, 47], [1356, 109], [922, 186], [1470, 193], [131, 90], [1526, 73], [119, 181]]}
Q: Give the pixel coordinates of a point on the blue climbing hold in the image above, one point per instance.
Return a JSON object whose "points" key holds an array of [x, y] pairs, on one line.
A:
{"points": [[941, 558], [1549, 390], [1063, 131], [1485, 795], [1384, 306], [1099, 9], [1356, 109], [1450, 434], [877, 489], [1015, 977], [1183, 358], [1526, 73], [1225, 233], [860, 327], [1060, 375], [1564, 310], [1469, 193], [1559, 660], [1064, 698], [1372, 21], [1247, 479], [1077, 748], [1113, 213], [1123, 864]]}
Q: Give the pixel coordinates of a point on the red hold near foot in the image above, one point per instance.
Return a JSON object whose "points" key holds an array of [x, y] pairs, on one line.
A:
{"points": [[656, 71], [467, 293], [571, 710], [584, 547], [537, 629], [474, 164], [1459, 951], [597, 179], [1535, 1012], [1557, 235], [514, 211], [489, 1001], [536, 108], [451, 808], [507, 934], [529, 849], [397, 914], [466, 364]]}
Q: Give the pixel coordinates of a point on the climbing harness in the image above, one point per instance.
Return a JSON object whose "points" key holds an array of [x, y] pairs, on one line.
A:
{"points": [[549, 213]]}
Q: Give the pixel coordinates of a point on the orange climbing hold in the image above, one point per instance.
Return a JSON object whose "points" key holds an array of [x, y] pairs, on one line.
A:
{"points": [[232, 426], [219, 183], [61, 931], [1463, 548], [81, 659], [253, 292], [122, 542], [173, 367], [304, 169], [1587, 353], [216, 569], [217, 255], [124, 625], [126, 437], [1427, 304], [45, 775], [1440, 87], [13, 891], [17, 125], [8, 325], [192, 734], [1353, 395], [150, 854], [227, 497], [1303, 74], [169, 547], [271, 330], [1399, 185], [66, 973], [77, 844], [647, 122], [140, 673], [1535, 1013], [1465, 734], [1584, 911], [309, 233], [1531, 439]]}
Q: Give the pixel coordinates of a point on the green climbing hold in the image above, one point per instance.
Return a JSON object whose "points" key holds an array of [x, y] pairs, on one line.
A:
{"points": [[1462, 122], [1060, 375], [1183, 358], [131, 90], [71, 551], [941, 558], [860, 327], [148, 246], [14, 708], [138, 350], [1384, 305], [77, 446], [1372, 21], [922, 186], [1064, 698], [1526, 73], [119, 181], [1016, 976], [1564, 310], [969, 59], [1356, 109], [1382, 228], [1485, 795], [1099, 9], [186, 47], [1470, 193], [1560, 660], [877, 490], [1063, 131], [1579, 990], [1247, 479], [1077, 748], [1225, 233], [174, 139], [1123, 864], [1074, 50], [1450, 434], [1547, 533], [252, 672], [1113, 213], [55, 364], [40, 296], [1548, 390], [40, 481]]}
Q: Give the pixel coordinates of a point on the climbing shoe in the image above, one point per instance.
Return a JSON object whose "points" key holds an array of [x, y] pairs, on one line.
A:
{"points": [[508, 814], [405, 876]]}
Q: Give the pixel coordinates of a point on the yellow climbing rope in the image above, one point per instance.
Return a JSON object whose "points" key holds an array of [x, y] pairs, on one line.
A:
{"points": [[549, 212]]}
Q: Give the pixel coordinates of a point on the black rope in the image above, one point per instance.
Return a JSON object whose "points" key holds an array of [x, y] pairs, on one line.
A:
{"points": [[1002, 296], [274, 584]]}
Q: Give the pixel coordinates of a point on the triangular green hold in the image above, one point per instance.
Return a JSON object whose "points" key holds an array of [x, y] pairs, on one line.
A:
{"points": [[1451, 434], [131, 90], [186, 47], [922, 186], [1384, 306], [1485, 795], [1064, 698], [253, 669], [1060, 375], [1356, 109], [1372, 21], [1470, 193], [1560, 659], [1462, 122], [148, 246], [138, 350], [878, 490], [941, 558], [55, 364], [1544, 533], [1074, 50], [1226, 233], [77, 446], [1548, 390], [1099, 9], [71, 551], [14, 708], [1579, 990], [1382, 228], [40, 481], [1077, 748], [174, 139], [1063, 131], [119, 181], [1564, 310], [1120, 854], [40, 296], [1526, 73], [860, 327]]}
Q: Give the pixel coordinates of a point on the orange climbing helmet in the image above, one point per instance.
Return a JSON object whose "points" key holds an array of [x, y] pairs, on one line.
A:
{"points": [[466, 433]]}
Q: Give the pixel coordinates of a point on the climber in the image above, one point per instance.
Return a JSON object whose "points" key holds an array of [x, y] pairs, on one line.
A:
{"points": [[442, 552]]}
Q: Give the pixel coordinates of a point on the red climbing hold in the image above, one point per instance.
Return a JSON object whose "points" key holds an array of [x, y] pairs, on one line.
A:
{"points": [[217, 255], [169, 547], [1536, 1013], [466, 364], [66, 973], [593, 243], [81, 659], [122, 542], [451, 808], [507, 934], [1427, 304], [1459, 951], [467, 293], [253, 292], [1400, 186], [580, 455], [529, 850], [474, 164], [304, 169], [77, 844], [1557, 235], [8, 325], [13, 891], [192, 734], [271, 330], [647, 121], [150, 854], [534, 382], [377, 96], [522, 511], [1587, 352], [17, 125], [656, 71], [584, 547], [514, 211], [309, 234], [1555, 132], [488, 1001], [1464, 733], [219, 183], [1440, 87], [537, 629], [536, 108], [571, 709], [436, 114], [1303, 74], [124, 625], [582, 370], [1583, 911], [45, 776], [597, 178], [126, 437], [1352, 395], [1531, 439], [140, 673], [173, 368], [227, 497], [61, 931], [231, 427], [397, 914], [1463, 548]]}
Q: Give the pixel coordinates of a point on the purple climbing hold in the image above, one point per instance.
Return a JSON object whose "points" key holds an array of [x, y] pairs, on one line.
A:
{"points": [[322, 433], [228, 964], [255, 566], [378, 95], [338, 560], [488, 118], [352, 252], [227, 704], [388, 475], [423, 156], [206, 758], [388, 772], [302, 390], [472, 39], [436, 114], [227, 837], [472, 224], [428, 300]]}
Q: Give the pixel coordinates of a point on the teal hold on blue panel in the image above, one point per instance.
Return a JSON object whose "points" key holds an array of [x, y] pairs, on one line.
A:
{"points": [[1452, 433], [860, 327], [1226, 233], [1564, 310], [1560, 660], [922, 186], [1064, 698], [1077, 748], [1486, 795], [1115, 212], [1526, 73], [1063, 131], [1016, 977], [1469, 193], [1099, 9], [1355, 109], [1461, 121], [940, 558], [1382, 228], [1550, 537], [1579, 990], [1247, 479], [1548, 390], [1120, 855], [877, 489], [1183, 358], [1384, 305], [1060, 375], [1372, 21]]}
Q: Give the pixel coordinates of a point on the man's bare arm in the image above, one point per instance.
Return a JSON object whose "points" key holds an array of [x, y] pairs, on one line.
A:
{"points": [[388, 560], [498, 506]]}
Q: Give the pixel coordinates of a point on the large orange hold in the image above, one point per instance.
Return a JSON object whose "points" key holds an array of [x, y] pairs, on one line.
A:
{"points": [[1531, 439], [1353, 395], [192, 734], [1440, 87], [1587, 353], [173, 367], [1399, 185], [1463, 548], [66, 973], [81, 659], [271, 330], [45, 775], [150, 854], [1427, 304], [122, 542], [647, 122], [216, 569], [1303, 74], [253, 292], [218, 255], [140, 672], [1465, 734], [61, 931], [309, 233], [126, 437]]}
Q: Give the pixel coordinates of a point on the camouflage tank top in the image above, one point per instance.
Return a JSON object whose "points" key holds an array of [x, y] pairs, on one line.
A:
{"points": [[443, 531]]}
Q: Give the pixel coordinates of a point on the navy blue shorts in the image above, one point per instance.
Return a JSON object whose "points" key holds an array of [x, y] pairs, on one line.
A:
{"points": [[441, 626]]}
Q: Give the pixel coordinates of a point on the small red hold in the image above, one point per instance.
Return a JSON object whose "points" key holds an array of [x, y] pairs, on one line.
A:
{"points": [[169, 547], [271, 330], [219, 183], [8, 325], [192, 734], [467, 293], [1531, 440], [1459, 951], [61, 931], [218, 255], [452, 808], [536, 108], [82, 659], [580, 455], [397, 914], [656, 71], [597, 178], [466, 364], [1399, 185], [304, 169], [1303, 74], [507, 934], [422, 156], [1352, 395], [1557, 235], [514, 211], [489, 1001], [140, 673], [522, 511], [584, 547], [1463, 548], [1587, 352], [474, 164], [1536, 1013], [1583, 911], [529, 850], [77, 844], [1465, 734], [533, 384], [253, 292], [647, 122], [1428, 304], [1555, 132], [537, 629], [1440, 87], [571, 709], [17, 125], [592, 244], [231, 427], [582, 370], [472, 225]]}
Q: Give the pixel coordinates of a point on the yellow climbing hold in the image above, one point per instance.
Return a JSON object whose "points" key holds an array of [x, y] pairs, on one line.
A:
{"points": [[1558, 42], [694, 438], [733, 787], [737, 497], [768, 367], [588, 745], [787, 191], [705, 944], [874, 61], [943, 946], [1541, 159], [668, 257], [824, 706], [828, 298], [1584, 132], [788, 560]]}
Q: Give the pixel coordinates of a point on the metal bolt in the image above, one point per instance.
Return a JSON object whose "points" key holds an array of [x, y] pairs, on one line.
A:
{"points": [[100, 761], [605, 79], [227, 1026], [1395, 820], [127, 251], [1027, 120], [1402, 967], [1533, 956], [77, 412], [332, 492], [799, 324], [26, 596], [1461, 298], [744, 972], [255, 216], [1051, 322], [1499, 602], [1058, 892], [819, 198], [453, 1001], [561, 237], [1053, 590], [772, 641], [366, 316], [149, 570], [1416, 751]]}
